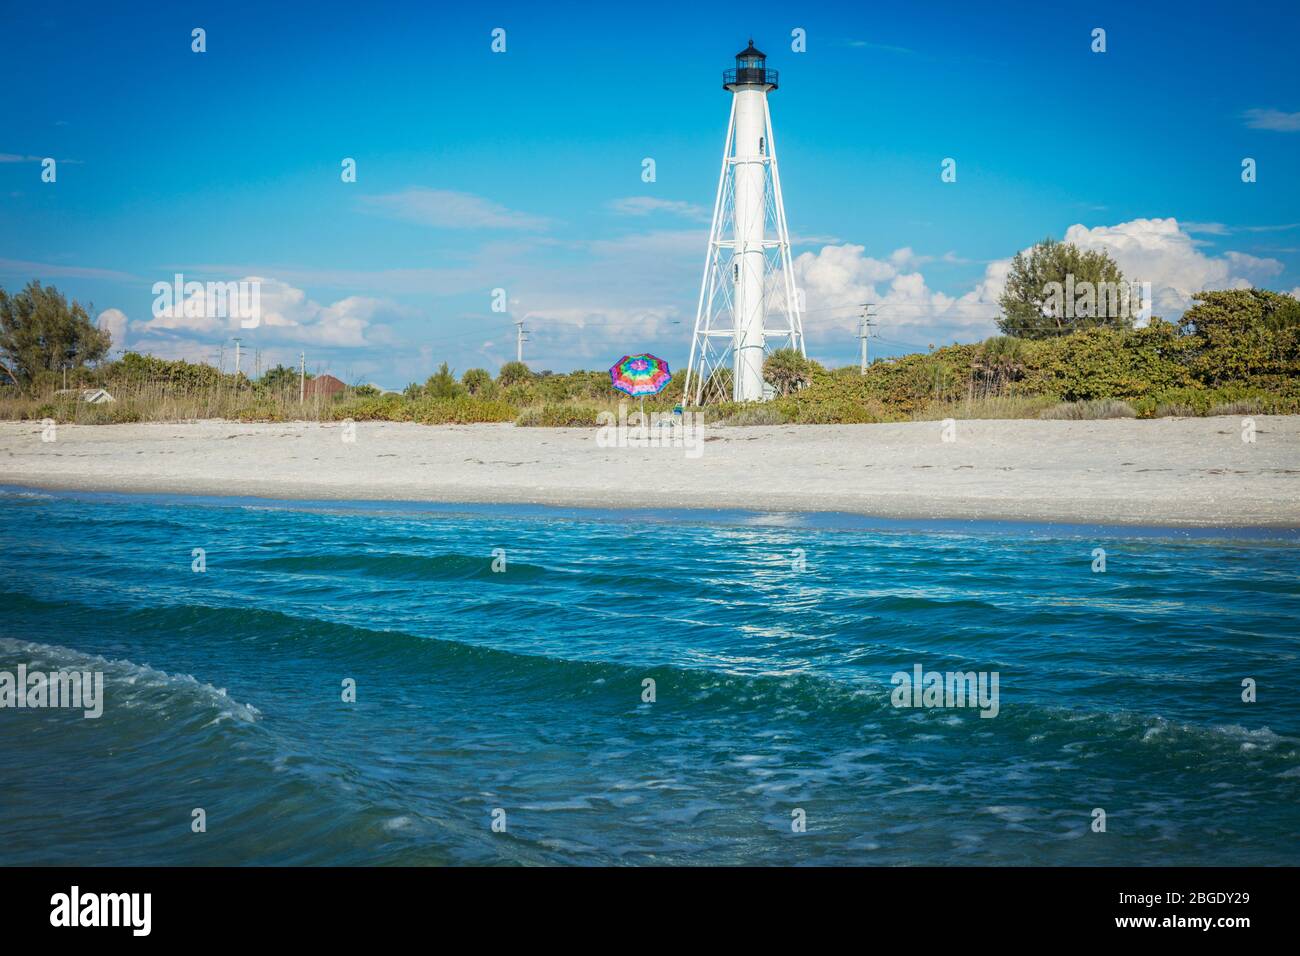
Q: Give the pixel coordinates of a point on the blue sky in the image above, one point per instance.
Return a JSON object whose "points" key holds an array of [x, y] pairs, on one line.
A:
{"points": [[522, 170]]}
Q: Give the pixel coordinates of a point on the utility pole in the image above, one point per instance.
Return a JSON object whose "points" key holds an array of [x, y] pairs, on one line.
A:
{"points": [[865, 326], [302, 377], [521, 336], [236, 358]]}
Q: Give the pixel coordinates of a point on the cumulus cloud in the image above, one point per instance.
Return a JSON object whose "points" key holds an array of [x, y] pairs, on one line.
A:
{"points": [[287, 316], [114, 322], [1160, 252], [447, 209], [837, 280]]}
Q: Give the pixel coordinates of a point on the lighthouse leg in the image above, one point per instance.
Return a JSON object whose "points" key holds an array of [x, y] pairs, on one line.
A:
{"points": [[704, 310], [750, 184]]}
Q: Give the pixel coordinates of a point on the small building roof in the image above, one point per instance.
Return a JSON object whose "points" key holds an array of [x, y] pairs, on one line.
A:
{"points": [[323, 385]]}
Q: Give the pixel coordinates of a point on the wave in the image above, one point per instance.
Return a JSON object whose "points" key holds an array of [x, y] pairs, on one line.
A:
{"points": [[131, 685], [835, 708]]}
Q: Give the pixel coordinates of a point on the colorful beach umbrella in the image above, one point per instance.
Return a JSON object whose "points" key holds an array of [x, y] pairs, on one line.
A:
{"points": [[640, 375]]}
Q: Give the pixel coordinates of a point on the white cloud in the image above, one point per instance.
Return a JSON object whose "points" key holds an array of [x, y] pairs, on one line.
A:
{"points": [[114, 321], [447, 209], [1160, 252], [837, 280], [287, 316], [645, 205], [1273, 119]]}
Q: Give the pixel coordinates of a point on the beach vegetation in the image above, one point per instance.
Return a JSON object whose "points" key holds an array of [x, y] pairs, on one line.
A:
{"points": [[1234, 352], [788, 370], [442, 384], [41, 335], [1089, 409], [513, 373], [558, 416], [477, 381]]}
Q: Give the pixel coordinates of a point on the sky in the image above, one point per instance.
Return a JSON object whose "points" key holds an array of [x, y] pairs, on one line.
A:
{"points": [[522, 170]]}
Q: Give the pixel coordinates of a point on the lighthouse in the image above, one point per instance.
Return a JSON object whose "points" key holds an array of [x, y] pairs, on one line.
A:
{"points": [[747, 302]]}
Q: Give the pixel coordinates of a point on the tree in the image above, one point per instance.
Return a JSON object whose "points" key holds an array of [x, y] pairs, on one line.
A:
{"points": [[1058, 288], [40, 333], [513, 373], [477, 381], [281, 377], [442, 383], [787, 370]]}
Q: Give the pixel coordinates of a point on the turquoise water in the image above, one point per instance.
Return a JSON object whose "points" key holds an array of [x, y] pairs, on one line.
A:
{"points": [[522, 690]]}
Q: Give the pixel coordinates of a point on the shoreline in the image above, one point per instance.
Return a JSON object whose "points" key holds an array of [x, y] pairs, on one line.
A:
{"points": [[802, 520], [1172, 473]]}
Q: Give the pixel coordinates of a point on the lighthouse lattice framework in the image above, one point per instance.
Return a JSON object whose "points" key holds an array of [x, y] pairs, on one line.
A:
{"points": [[748, 280]]}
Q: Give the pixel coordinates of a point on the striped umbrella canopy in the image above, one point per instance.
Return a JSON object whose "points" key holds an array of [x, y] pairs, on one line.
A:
{"points": [[640, 375]]}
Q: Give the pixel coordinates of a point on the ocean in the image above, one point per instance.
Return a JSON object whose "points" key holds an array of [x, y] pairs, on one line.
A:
{"points": [[387, 683]]}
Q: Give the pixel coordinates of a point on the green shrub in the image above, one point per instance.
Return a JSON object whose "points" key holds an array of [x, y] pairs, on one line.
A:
{"points": [[513, 373], [442, 383], [787, 370], [753, 413], [380, 408], [558, 416], [1188, 402], [477, 381], [1111, 363], [830, 411], [1243, 336], [460, 411]]}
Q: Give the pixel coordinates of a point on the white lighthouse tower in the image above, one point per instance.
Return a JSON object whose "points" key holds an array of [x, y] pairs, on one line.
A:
{"points": [[748, 280]]}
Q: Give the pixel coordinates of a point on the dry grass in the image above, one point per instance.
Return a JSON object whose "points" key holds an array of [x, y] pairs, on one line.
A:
{"points": [[989, 406], [165, 402], [1089, 410]]}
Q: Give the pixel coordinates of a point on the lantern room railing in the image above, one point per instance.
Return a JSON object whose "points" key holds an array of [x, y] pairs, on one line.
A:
{"points": [[749, 76]]}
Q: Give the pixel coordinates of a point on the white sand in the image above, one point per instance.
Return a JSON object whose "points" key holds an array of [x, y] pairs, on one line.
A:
{"points": [[1168, 471]]}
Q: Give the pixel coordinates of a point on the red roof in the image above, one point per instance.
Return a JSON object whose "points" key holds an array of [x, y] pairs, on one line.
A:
{"points": [[323, 385]]}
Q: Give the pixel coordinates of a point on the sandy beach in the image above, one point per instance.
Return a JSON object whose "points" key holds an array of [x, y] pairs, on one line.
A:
{"points": [[1196, 472]]}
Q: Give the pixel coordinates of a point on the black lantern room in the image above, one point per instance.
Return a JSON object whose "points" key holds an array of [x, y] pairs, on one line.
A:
{"points": [[751, 70]]}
